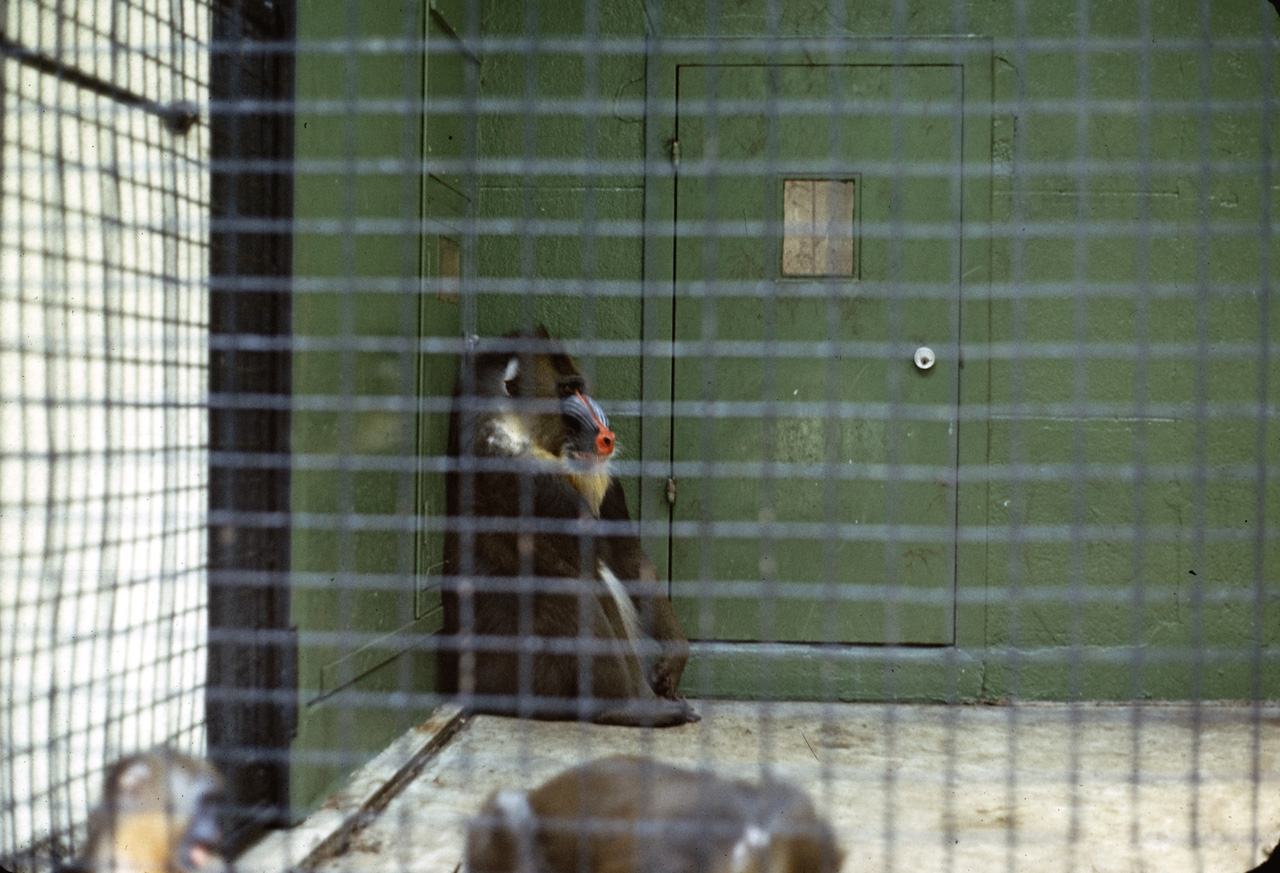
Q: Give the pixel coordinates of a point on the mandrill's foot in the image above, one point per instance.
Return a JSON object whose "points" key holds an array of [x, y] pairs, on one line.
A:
{"points": [[664, 678], [646, 712]]}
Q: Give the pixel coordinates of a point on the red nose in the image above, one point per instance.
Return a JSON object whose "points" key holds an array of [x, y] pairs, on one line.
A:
{"points": [[604, 442]]}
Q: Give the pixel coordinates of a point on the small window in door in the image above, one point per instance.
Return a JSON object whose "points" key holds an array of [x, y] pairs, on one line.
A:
{"points": [[818, 237]]}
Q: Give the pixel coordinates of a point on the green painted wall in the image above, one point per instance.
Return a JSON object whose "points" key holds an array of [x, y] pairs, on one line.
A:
{"points": [[369, 256], [1075, 578], [1110, 521]]}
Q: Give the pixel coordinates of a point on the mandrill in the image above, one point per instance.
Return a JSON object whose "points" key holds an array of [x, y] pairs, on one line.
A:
{"points": [[555, 610], [158, 815]]}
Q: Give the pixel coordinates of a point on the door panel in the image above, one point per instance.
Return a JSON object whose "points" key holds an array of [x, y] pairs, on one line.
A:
{"points": [[829, 514], [439, 307]]}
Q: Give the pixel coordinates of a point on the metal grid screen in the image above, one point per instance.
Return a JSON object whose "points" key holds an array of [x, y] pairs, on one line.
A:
{"points": [[103, 465], [936, 344]]}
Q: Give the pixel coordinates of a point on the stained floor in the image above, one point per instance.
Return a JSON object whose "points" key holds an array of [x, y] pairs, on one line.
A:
{"points": [[1043, 788]]}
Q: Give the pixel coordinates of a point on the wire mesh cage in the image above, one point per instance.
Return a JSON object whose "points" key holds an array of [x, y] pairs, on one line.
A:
{"points": [[104, 467], [405, 402]]}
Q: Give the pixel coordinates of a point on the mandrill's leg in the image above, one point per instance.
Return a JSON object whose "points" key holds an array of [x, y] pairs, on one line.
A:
{"points": [[659, 619], [601, 671]]}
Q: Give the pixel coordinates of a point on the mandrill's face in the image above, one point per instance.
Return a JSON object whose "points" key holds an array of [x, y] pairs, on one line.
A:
{"points": [[538, 406], [588, 438]]}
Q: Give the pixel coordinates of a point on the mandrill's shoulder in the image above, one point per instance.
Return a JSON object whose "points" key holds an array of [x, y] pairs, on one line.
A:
{"points": [[502, 436], [613, 504]]}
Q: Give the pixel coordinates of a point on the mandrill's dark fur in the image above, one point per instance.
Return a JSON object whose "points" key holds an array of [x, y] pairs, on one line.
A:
{"points": [[554, 609], [629, 815]]}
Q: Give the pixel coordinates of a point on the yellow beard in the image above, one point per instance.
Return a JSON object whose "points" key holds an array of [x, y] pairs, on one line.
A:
{"points": [[592, 486], [143, 844]]}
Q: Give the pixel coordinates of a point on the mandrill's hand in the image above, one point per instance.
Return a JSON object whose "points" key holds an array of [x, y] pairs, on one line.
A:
{"points": [[664, 676]]}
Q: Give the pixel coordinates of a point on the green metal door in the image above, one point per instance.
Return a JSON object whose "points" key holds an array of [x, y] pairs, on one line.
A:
{"points": [[818, 248]]}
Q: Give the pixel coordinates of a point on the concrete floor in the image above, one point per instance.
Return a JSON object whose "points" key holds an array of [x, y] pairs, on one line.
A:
{"points": [[1043, 788]]}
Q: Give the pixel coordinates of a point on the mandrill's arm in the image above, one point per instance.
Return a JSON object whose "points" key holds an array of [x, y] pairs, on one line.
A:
{"points": [[657, 616]]}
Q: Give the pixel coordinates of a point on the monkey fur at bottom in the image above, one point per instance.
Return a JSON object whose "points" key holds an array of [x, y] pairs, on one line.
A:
{"points": [[158, 815], [1271, 864], [553, 608], [629, 815]]}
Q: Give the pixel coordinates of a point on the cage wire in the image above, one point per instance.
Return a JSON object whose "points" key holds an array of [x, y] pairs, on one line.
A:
{"points": [[936, 340], [103, 435]]}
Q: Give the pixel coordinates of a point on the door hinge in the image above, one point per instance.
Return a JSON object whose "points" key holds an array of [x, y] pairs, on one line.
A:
{"points": [[675, 153], [671, 491]]}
